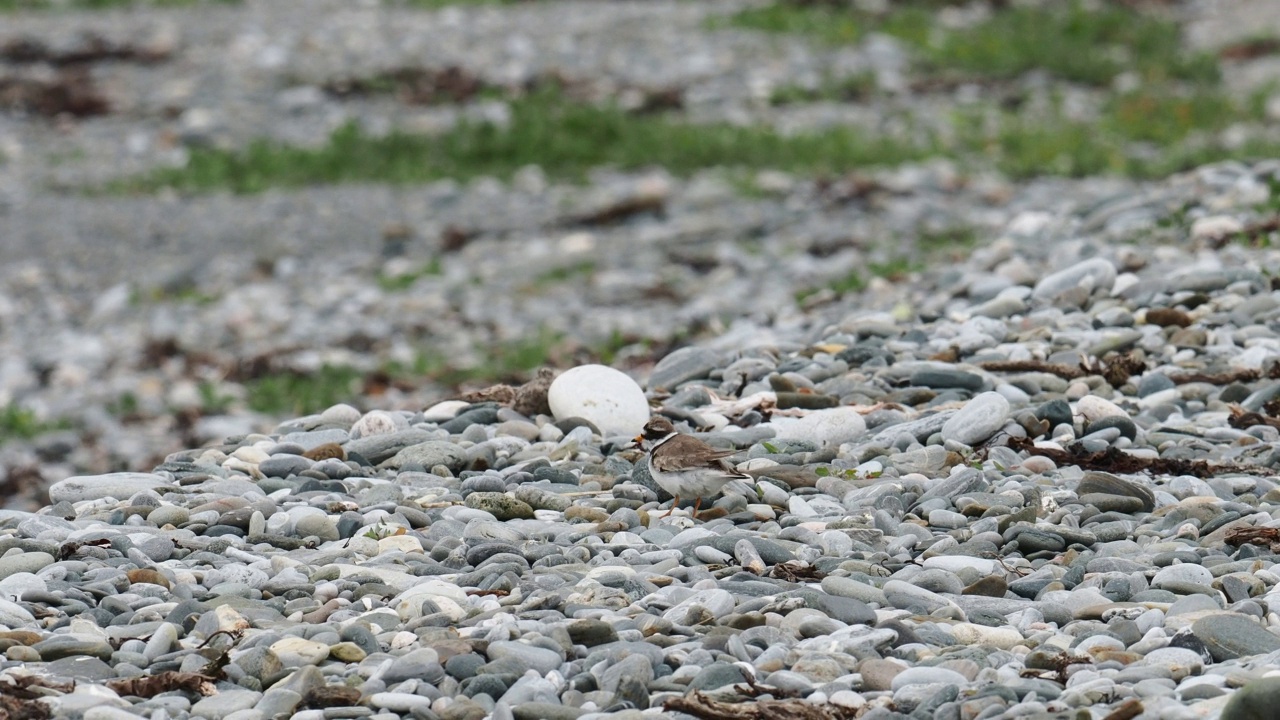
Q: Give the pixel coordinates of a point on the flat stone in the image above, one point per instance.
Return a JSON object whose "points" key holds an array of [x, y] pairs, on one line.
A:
{"points": [[378, 448], [688, 363], [947, 378], [545, 711], [56, 647], [1106, 483], [927, 676], [81, 667], [120, 486], [537, 658], [1230, 635], [826, 428], [216, 707], [27, 562], [501, 505], [428, 455], [1088, 274], [1257, 700]]}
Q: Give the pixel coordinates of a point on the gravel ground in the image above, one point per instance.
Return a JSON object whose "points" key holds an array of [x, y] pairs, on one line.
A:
{"points": [[1034, 477]]}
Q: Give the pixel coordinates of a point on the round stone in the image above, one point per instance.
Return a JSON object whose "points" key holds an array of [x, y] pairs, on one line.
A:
{"points": [[1094, 408], [978, 420], [828, 428], [605, 397]]}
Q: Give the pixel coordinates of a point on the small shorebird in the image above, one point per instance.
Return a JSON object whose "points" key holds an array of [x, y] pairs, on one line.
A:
{"points": [[684, 465]]}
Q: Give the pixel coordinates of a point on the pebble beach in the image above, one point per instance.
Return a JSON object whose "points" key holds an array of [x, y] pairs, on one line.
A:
{"points": [[1035, 477]]}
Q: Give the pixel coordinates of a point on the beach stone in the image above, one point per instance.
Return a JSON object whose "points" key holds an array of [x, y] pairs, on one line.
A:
{"points": [[283, 466], [1056, 412], [120, 485], [947, 378], [340, 414], [501, 505], [169, 515], [1230, 635], [1087, 274], [978, 420], [1182, 573], [878, 674], [295, 652], [1093, 408], [423, 664], [27, 562], [826, 428], [1256, 700], [538, 658], [682, 365], [377, 422], [545, 711], [591, 632], [82, 668], [56, 647], [428, 455], [927, 676], [1127, 427], [609, 399], [226, 702], [399, 702], [1180, 662], [1108, 484]]}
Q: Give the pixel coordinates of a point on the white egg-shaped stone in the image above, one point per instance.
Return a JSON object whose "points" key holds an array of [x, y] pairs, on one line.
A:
{"points": [[605, 397]]}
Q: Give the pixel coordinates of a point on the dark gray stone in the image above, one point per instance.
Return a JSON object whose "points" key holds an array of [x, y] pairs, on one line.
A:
{"points": [[1230, 636], [1101, 482], [689, 363]]}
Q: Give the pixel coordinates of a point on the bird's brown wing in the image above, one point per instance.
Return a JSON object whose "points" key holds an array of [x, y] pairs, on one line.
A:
{"points": [[683, 453]]}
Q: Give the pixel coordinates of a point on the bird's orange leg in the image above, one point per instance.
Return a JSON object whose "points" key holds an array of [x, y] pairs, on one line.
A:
{"points": [[674, 504]]}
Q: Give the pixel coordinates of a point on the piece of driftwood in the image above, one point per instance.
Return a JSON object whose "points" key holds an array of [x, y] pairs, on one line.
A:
{"points": [[1242, 419], [1128, 710], [1252, 536], [703, 706], [1115, 460], [149, 686]]}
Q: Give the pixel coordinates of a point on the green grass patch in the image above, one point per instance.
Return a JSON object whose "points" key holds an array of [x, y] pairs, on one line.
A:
{"points": [[932, 241], [397, 283], [558, 275], [172, 293], [19, 422], [1146, 134], [212, 401], [852, 88], [856, 280], [511, 362], [565, 139], [16, 5], [437, 4], [1068, 40], [1090, 46], [826, 23], [302, 394], [124, 406]]}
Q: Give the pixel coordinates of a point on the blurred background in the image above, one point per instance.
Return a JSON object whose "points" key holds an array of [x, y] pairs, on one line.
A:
{"points": [[219, 214]]}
